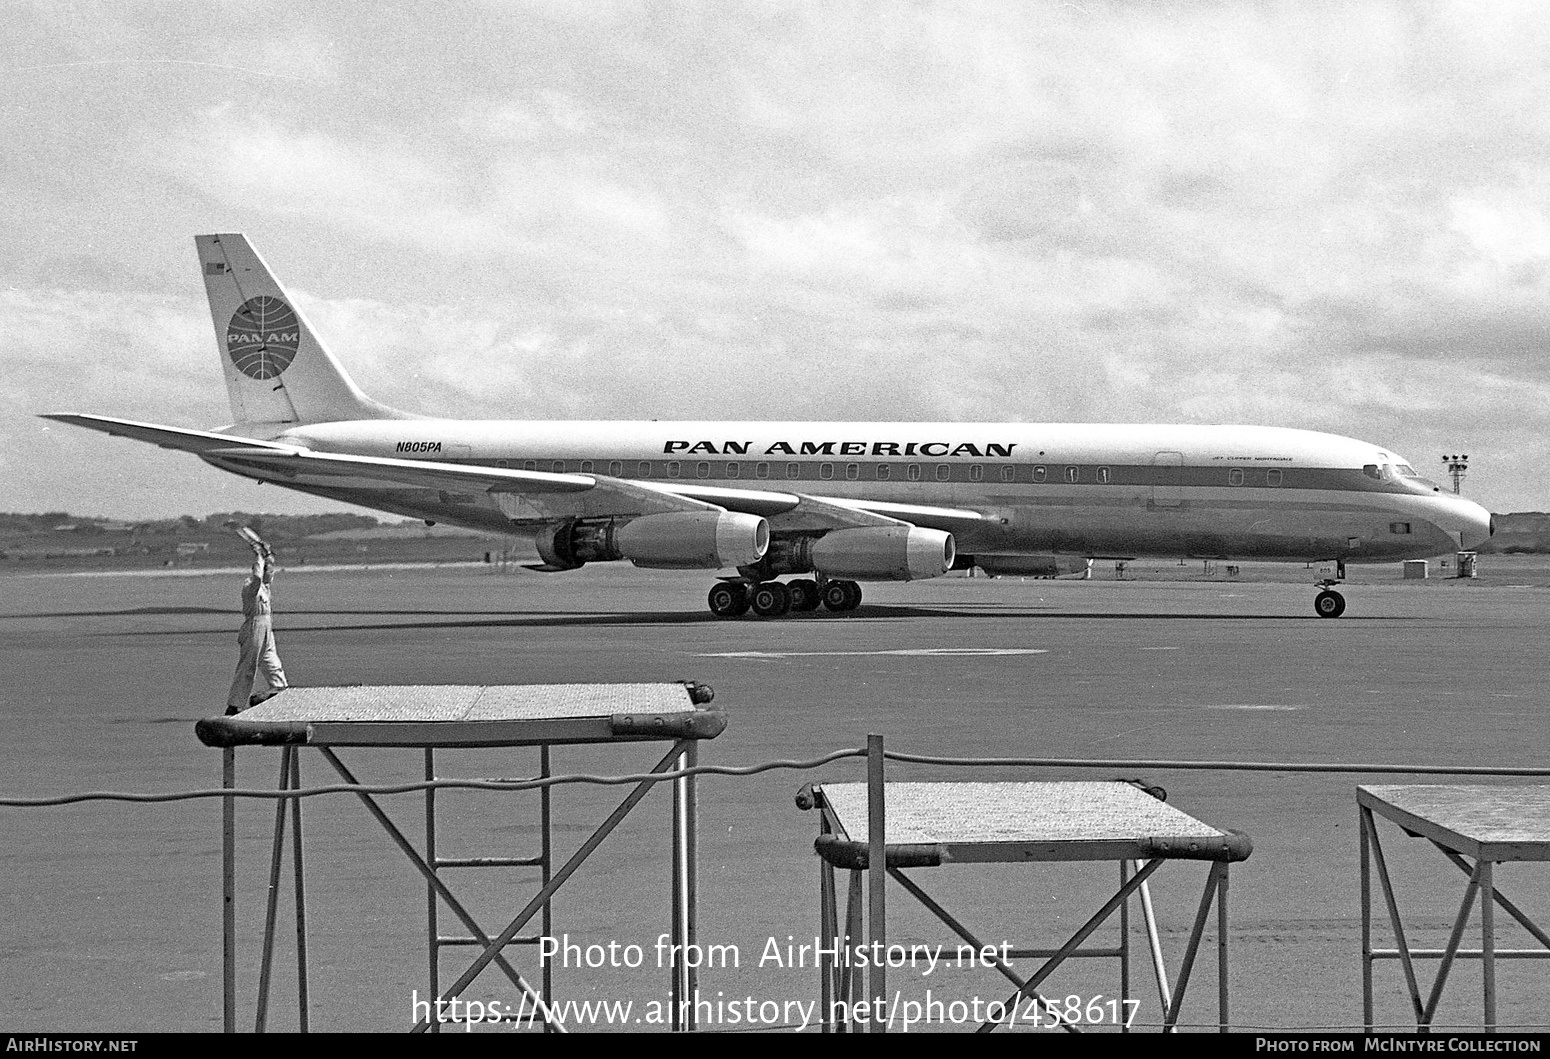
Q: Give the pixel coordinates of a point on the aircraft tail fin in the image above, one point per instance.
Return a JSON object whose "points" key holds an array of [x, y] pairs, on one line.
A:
{"points": [[277, 370]]}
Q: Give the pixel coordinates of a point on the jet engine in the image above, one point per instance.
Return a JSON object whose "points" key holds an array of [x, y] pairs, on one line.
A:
{"points": [[883, 553], [687, 540]]}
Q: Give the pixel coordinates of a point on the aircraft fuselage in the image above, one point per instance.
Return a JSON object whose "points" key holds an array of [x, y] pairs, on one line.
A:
{"points": [[1229, 492]]}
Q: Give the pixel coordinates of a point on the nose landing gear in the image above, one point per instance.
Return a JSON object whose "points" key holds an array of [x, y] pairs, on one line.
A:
{"points": [[1329, 603]]}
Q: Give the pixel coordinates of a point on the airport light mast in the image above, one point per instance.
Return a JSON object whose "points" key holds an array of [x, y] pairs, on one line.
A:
{"points": [[1457, 467]]}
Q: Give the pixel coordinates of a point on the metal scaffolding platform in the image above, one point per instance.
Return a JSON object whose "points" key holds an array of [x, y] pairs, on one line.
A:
{"points": [[935, 824], [1489, 824], [457, 716]]}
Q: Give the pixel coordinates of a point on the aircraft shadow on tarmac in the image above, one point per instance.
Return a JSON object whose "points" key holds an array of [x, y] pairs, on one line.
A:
{"points": [[554, 620], [134, 611]]}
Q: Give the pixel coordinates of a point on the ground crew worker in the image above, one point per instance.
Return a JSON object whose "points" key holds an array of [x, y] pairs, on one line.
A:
{"points": [[256, 637]]}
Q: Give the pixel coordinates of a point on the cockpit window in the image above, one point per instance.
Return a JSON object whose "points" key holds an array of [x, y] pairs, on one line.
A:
{"points": [[1371, 471], [1407, 470]]}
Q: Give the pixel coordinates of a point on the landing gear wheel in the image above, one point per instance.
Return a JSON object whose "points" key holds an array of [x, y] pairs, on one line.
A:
{"points": [[842, 595], [1329, 604], [804, 595], [728, 599], [770, 599]]}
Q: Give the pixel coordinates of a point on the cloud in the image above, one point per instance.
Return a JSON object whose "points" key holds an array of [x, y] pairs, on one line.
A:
{"points": [[1055, 212]]}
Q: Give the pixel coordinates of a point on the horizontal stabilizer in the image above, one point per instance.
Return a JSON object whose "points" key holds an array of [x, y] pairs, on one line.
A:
{"points": [[179, 438]]}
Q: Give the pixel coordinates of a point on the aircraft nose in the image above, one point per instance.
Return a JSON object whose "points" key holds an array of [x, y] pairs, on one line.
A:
{"points": [[1477, 526]]}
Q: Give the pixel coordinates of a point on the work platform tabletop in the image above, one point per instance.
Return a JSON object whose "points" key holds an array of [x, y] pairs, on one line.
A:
{"points": [[470, 715], [1066, 820], [1490, 823]]}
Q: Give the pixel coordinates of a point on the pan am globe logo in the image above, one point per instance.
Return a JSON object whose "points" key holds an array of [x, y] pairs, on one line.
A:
{"points": [[262, 337]]}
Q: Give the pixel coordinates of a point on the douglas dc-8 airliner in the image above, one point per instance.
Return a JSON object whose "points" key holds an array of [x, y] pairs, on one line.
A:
{"points": [[832, 503]]}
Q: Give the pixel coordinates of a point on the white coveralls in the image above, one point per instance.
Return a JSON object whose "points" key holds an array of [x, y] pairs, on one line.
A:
{"points": [[256, 638]]}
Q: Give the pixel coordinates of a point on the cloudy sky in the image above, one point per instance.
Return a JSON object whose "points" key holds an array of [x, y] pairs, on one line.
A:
{"points": [[1331, 216]]}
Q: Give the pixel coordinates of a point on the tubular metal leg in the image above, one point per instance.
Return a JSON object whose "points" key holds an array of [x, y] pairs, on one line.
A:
{"points": [[1154, 943], [546, 855], [677, 919], [432, 921], [1221, 947], [1192, 948], [1363, 817], [827, 929], [303, 1003], [692, 875], [1488, 942], [272, 902], [1124, 947], [229, 892], [851, 980], [877, 878]]}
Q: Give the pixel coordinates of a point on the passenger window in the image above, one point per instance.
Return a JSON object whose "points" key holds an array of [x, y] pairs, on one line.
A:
{"points": [[673, 468], [1103, 476], [1038, 472], [503, 463], [1235, 476], [826, 471], [1273, 477], [1073, 474], [793, 470], [733, 470], [1399, 527], [645, 468], [761, 470], [1008, 473], [529, 465], [914, 472], [976, 473], [702, 470], [884, 472], [616, 468], [586, 466], [559, 466], [852, 471]]}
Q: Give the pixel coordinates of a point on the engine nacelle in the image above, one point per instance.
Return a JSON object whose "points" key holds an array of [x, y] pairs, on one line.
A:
{"points": [[696, 540], [883, 553]]}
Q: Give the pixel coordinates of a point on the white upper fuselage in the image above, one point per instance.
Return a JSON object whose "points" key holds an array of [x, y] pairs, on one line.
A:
{"points": [[1080, 489]]}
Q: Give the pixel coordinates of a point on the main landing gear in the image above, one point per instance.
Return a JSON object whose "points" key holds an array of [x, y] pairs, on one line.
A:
{"points": [[771, 599], [1329, 603]]}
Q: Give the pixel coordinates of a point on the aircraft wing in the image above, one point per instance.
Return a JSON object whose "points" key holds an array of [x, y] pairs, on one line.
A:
{"points": [[801, 511], [785, 511], [517, 496], [521, 495]]}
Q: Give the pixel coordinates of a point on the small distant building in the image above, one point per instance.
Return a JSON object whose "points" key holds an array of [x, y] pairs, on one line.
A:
{"points": [[188, 549], [1415, 569]]}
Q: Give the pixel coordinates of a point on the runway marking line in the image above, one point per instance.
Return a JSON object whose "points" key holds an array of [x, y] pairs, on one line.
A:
{"points": [[1255, 706], [914, 652]]}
